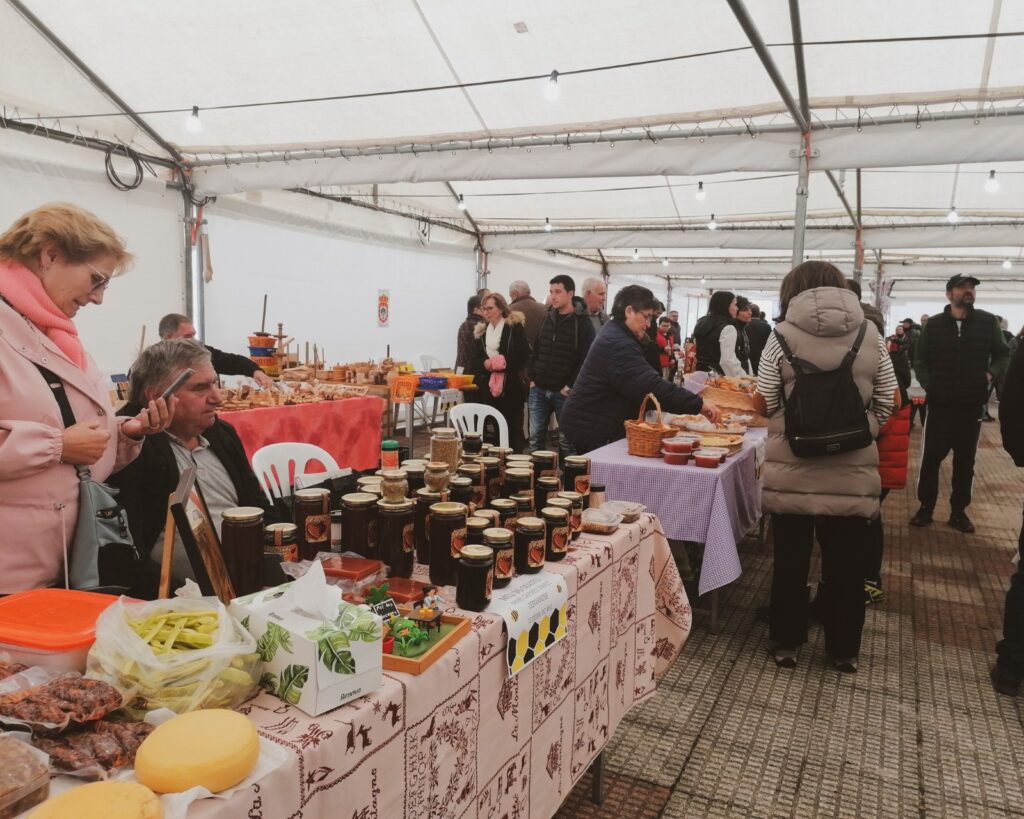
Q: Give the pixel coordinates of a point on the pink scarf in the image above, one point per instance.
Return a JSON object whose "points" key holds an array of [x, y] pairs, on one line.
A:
{"points": [[497, 379], [23, 289]]}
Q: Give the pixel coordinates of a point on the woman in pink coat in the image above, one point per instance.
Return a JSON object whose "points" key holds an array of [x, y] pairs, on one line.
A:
{"points": [[53, 261]]}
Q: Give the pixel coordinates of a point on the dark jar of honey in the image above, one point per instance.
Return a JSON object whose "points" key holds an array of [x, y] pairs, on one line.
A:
{"points": [[396, 538], [447, 537], [474, 577], [529, 545], [500, 542]]}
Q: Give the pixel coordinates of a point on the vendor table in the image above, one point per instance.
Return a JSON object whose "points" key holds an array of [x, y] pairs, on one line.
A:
{"points": [[464, 739], [349, 429], [716, 507]]}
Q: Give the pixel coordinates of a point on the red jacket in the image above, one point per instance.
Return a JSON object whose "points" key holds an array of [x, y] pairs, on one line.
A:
{"points": [[663, 341], [894, 449]]}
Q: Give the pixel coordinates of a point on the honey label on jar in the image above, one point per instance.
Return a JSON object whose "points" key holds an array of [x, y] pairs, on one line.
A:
{"points": [[409, 537], [291, 553], [489, 584], [560, 539], [317, 528], [535, 553], [577, 520], [494, 487], [504, 563], [458, 541], [583, 484]]}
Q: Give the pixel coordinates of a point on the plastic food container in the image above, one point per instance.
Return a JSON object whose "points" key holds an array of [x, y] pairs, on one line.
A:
{"points": [[679, 444], [703, 459], [52, 628], [721, 452], [600, 521], [351, 568], [629, 510], [675, 458]]}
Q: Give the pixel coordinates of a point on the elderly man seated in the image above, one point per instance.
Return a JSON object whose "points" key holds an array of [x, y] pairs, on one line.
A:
{"points": [[195, 437]]}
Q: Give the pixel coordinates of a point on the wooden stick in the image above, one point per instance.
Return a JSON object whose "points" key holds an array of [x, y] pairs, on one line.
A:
{"points": [[168, 554], [306, 359], [142, 340], [263, 320]]}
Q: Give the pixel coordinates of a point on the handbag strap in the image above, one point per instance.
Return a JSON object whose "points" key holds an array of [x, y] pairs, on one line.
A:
{"points": [[67, 415]]}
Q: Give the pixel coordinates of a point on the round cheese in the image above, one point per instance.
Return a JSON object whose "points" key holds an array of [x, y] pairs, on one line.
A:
{"points": [[102, 800], [215, 749]]}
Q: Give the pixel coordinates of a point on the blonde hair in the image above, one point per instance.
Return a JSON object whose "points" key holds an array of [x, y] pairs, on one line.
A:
{"points": [[78, 234]]}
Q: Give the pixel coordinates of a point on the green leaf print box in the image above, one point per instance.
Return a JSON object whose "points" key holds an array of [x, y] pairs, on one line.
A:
{"points": [[312, 661]]}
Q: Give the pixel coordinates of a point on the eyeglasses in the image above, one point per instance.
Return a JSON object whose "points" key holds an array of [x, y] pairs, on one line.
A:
{"points": [[99, 280]]}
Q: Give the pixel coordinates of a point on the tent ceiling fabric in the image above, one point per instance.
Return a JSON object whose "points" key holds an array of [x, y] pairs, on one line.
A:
{"points": [[611, 163]]}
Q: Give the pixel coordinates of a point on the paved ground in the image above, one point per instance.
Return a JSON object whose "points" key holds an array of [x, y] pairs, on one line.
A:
{"points": [[917, 732]]}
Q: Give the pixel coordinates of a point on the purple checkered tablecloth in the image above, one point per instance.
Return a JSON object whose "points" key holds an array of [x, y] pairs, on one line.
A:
{"points": [[716, 507]]}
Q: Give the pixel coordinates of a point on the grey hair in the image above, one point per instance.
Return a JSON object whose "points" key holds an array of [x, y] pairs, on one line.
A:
{"points": [[160, 363], [591, 283], [518, 288], [170, 323]]}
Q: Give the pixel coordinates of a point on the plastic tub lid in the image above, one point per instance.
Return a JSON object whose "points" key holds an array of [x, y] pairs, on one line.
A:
{"points": [[51, 619]]}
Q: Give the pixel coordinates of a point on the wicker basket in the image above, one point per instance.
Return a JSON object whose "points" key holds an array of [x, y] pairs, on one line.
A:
{"points": [[645, 439]]}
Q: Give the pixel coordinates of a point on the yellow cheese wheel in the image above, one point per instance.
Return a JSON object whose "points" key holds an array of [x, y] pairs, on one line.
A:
{"points": [[102, 800], [216, 749]]}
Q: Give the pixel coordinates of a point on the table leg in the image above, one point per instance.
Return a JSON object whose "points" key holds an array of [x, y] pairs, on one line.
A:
{"points": [[597, 785], [714, 611], [762, 525], [410, 425]]}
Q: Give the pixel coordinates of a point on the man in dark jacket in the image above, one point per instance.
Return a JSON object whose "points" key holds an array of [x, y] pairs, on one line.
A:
{"points": [[1008, 671], [958, 353], [195, 437], [175, 325], [758, 331], [465, 338], [562, 345], [519, 298], [616, 377]]}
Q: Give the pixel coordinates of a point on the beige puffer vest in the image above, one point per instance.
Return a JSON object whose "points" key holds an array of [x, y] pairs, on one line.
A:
{"points": [[821, 326]]}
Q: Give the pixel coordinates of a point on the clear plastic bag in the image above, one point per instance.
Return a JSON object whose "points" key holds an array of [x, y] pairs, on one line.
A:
{"points": [[221, 675]]}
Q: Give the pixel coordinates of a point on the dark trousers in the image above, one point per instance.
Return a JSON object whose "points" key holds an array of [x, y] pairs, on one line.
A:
{"points": [[1010, 649], [842, 541], [875, 543], [956, 428]]}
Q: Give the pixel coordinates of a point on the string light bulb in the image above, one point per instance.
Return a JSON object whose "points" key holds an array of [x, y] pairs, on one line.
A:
{"points": [[1007, 264], [953, 217], [664, 262], [462, 202], [547, 224], [636, 254], [992, 184], [703, 279], [701, 194], [551, 88], [192, 124], [712, 224]]}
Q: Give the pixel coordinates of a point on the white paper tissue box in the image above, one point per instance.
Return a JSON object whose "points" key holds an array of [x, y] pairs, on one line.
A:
{"points": [[315, 660]]}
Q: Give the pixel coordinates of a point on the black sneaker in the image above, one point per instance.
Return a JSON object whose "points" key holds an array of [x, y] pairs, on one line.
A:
{"points": [[1003, 685], [922, 518], [960, 522]]}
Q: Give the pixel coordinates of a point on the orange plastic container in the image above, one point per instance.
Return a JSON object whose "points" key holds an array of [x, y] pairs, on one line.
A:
{"points": [[53, 628]]}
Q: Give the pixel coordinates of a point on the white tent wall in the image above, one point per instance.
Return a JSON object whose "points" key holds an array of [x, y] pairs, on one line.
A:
{"points": [[536, 268], [324, 289], [149, 219]]}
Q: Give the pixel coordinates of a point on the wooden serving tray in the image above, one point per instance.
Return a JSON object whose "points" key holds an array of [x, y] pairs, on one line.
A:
{"points": [[417, 665]]}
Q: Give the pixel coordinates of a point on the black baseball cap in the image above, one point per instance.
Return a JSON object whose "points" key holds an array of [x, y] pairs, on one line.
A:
{"points": [[960, 281]]}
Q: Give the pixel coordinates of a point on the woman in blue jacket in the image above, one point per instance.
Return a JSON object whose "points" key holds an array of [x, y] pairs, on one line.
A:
{"points": [[616, 376]]}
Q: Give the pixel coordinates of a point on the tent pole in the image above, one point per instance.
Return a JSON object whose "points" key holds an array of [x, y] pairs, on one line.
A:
{"points": [[668, 294], [194, 297], [879, 276], [858, 259], [800, 215]]}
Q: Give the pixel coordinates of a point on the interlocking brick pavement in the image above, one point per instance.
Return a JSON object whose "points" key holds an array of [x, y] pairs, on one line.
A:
{"points": [[917, 732]]}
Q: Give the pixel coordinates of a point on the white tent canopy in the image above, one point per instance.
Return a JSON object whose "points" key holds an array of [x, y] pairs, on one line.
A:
{"points": [[368, 121]]}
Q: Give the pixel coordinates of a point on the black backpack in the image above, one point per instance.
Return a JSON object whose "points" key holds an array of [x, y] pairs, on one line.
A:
{"points": [[825, 414]]}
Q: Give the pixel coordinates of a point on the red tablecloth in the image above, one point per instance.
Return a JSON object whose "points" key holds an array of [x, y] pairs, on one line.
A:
{"points": [[349, 429]]}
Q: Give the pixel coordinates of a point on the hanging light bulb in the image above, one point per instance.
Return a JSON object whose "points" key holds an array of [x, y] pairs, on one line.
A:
{"points": [[551, 89], [712, 224], [992, 184], [193, 124], [701, 194], [1007, 264], [703, 279], [636, 255], [664, 262], [547, 224], [462, 203], [952, 217]]}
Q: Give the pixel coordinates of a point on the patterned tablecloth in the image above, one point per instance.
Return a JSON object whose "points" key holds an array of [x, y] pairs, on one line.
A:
{"points": [[716, 507], [465, 740], [349, 429]]}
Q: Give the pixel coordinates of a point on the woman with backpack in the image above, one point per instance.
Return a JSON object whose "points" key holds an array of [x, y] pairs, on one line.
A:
{"points": [[828, 386]]}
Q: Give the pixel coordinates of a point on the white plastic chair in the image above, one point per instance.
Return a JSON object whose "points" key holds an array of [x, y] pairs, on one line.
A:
{"points": [[273, 465], [470, 418], [431, 363]]}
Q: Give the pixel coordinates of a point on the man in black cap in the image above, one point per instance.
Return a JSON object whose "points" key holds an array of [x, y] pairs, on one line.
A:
{"points": [[958, 353]]}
